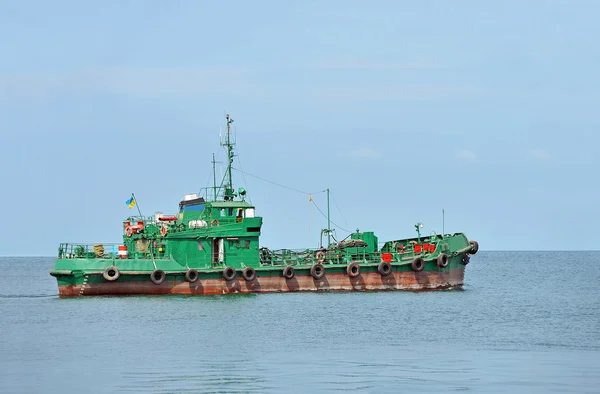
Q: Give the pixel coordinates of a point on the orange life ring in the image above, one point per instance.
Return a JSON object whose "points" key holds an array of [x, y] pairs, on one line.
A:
{"points": [[400, 249], [128, 231], [320, 256], [163, 231], [214, 221]]}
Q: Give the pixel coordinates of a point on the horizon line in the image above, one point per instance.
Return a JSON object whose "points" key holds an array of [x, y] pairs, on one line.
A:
{"points": [[496, 250]]}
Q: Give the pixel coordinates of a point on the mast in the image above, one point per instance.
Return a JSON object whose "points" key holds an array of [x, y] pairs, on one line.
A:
{"points": [[443, 224], [214, 178], [229, 149], [228, 193], [328, 222]]}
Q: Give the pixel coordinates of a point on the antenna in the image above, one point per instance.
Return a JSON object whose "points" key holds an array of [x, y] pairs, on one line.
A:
{"points": [[228, 143]]}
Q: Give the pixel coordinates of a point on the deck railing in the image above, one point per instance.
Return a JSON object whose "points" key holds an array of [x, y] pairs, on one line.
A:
{"points": [[109, 251], [134, 220], [403, 252], [78, 250], [392, 252]]}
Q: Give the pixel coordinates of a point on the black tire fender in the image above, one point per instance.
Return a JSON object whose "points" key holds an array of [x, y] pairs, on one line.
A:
{"points": [[442, 260], [158, 276], [317, 271], [418, 264], [474, 247], [288, 272], [229, 273], [111, 273], [191, 275], [249, 274], [353, 270], [384, 268]]}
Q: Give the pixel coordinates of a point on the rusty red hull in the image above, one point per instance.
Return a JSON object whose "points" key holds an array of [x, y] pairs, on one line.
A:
{"points": [[372, 281]]}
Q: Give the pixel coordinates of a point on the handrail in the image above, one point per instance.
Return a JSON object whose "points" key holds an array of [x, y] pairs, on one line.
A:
{"points": [[145, 219], [96, 250], [107, 250]]}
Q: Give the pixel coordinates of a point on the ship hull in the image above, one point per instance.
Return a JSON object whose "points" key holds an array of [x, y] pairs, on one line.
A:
{"points": [[366, 281]]}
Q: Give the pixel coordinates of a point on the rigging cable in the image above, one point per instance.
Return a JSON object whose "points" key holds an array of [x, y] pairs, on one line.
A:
{"points": [[325, 216], [298, 191], [338, 208], [240, 161], [275, 183], [216, 161]]}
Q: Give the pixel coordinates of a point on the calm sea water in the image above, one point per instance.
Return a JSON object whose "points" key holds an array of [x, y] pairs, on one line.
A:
{"points": [[525, 322]]}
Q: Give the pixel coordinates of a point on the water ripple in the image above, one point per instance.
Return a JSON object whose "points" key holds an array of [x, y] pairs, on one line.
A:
{"points": [[28, 295], [518, 325]]}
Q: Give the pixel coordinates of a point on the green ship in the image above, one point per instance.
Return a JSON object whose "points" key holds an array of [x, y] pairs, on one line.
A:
{"points": [[211, 246]]}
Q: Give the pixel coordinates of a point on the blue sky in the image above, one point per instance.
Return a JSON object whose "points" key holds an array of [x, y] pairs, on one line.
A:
{"points": [[485, 109]]}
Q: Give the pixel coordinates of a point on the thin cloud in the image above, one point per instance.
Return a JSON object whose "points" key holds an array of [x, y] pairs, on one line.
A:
{"points": [[540, 154], [395, 93], [341, 63], [230, 82], [131, 81], [365, 153], [466, 155]]}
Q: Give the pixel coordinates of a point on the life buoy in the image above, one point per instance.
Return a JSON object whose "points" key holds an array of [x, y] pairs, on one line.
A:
{"points": [[212, 222], [418, 264], [384, 268], [317, 271], [249, 274], [229, 273], [442, 260], [191, 275], [128, 231], [111, 273], [353, 270], [164, 231], [320, 256], [401, 249], [288, 272], [157, 276]]}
